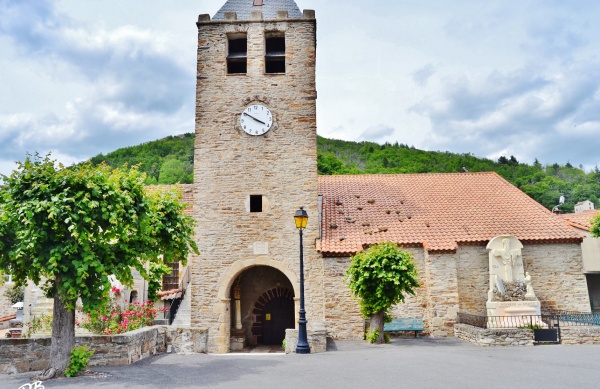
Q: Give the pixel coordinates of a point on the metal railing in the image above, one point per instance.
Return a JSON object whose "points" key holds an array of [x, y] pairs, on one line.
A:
{"points": [[176, 303], [490, 322], [550, 319], [573, 318]]}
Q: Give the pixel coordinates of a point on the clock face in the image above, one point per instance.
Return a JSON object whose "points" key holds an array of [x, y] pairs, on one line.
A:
{"points": [[256, 120]]}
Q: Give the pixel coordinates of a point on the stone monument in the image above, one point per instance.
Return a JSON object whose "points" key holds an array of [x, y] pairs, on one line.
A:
{"points": [[511, 292]]}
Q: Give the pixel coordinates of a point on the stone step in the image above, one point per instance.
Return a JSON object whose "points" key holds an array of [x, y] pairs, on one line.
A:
{"points": [[184, 316]]}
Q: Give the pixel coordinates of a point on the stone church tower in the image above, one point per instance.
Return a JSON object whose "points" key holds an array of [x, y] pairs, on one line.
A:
{"points": [[255, 165]]}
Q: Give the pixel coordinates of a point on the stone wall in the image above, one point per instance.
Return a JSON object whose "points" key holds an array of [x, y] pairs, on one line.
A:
{"points": [[556, 271], [473, 278], [343, 319], [186, 340], [317, 341], [580, 335], [415, 306], [459, 281], [125, 349], [494, 337], [557, 274], [22, 355], [442, 293], [231, 165]]}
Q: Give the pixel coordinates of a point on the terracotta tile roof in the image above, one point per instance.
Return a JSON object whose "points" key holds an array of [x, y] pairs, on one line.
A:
{"points": [[7, 318], [435, 211], [169, 294], [186, 190], [581, 220]]}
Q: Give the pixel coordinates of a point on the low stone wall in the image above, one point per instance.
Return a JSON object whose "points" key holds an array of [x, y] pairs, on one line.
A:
{"points": [[494, 337], [317, 341], [125, 349], [23, 355], [580, 335], [187, 340]]}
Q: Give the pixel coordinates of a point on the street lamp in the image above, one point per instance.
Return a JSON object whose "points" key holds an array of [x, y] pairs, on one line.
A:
{"points": [[301, 218]]}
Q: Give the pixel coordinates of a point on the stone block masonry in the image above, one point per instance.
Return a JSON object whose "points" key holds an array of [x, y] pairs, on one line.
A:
{"points": [[230, 166], [580, 335], [451, 282], [494, 337], [23, 355], [317, 341]]}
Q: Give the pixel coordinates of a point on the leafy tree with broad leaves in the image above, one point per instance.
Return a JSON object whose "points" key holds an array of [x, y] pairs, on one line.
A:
{"points": [[596, 227], [380, 277], [69, 229]]}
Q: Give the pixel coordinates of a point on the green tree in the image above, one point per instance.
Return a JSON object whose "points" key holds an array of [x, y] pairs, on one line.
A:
{"points": [[328, 164], [596, 227], [174, 171], [15, 294], [69, 229], [380, 277]]}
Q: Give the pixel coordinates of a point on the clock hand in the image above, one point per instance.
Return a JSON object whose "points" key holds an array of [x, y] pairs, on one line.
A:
{"points": [[261, 122]]}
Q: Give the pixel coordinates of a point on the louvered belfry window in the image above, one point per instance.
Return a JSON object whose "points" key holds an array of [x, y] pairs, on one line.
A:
{"points": [[237, 54], [274, 52]]}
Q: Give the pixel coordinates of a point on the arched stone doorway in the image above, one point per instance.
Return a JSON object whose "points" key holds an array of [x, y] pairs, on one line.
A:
{"points": [[262, 307]]}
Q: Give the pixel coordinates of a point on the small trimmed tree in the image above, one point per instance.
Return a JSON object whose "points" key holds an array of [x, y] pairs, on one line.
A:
{"points": [[69, 229], [380, 277]]}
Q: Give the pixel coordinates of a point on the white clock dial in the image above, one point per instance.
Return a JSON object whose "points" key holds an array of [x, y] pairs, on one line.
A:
{"points": [[256, 119]]}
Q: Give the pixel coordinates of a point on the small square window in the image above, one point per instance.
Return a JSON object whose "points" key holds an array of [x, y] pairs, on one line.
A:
{"points": [[237, 54], [275, 53], [256, 203]]}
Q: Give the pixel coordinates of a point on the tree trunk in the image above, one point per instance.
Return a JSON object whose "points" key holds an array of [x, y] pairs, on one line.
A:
{"points": [[377, 321], [63, 339]]}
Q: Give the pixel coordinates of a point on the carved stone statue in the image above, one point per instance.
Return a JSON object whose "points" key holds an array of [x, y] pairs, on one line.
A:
{"points": [[510, 291], [530, 293], [509, 257]]}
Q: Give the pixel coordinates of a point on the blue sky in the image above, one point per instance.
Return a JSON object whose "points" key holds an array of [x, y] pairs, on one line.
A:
{"points": [[491, 78]]}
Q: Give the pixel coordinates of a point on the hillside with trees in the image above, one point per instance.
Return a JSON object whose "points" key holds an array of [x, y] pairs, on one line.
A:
{"points": [[165, 161], [171, 160]]}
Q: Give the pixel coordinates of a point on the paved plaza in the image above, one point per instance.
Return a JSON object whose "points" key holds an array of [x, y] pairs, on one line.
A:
{"points": [[405, 363]]}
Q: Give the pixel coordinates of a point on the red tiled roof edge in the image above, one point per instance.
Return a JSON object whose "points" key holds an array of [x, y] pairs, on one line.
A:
{"points": [[451, 246]]}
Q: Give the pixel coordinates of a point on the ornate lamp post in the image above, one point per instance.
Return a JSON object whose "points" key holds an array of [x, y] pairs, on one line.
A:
{"points": [[301, 218]]}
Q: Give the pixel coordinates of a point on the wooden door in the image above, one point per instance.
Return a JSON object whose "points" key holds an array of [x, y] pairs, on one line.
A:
{"points": [[278, 315]]}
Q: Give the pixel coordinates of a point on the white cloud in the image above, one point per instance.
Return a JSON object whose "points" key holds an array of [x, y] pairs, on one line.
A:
{"points": [[491, 77]]}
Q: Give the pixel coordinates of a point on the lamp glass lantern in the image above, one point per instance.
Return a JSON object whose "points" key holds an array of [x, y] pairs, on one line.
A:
{"points": [[301, 218]]}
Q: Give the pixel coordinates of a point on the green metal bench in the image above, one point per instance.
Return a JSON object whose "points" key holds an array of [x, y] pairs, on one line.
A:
{"points": [[405, 324]]}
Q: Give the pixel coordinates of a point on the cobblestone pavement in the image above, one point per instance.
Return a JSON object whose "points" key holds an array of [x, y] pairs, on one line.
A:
{"points": [[414, 363]]}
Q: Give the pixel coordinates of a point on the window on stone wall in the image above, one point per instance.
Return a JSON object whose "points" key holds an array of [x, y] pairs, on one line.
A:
{"points": [[171, 281], [256, 203], [274, 52], [237, 54]]}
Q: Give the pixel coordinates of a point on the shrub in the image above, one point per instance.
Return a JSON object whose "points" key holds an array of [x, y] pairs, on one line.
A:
{"points": [[15, 294], [80, 359], [117, 318], [40, 323]]}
